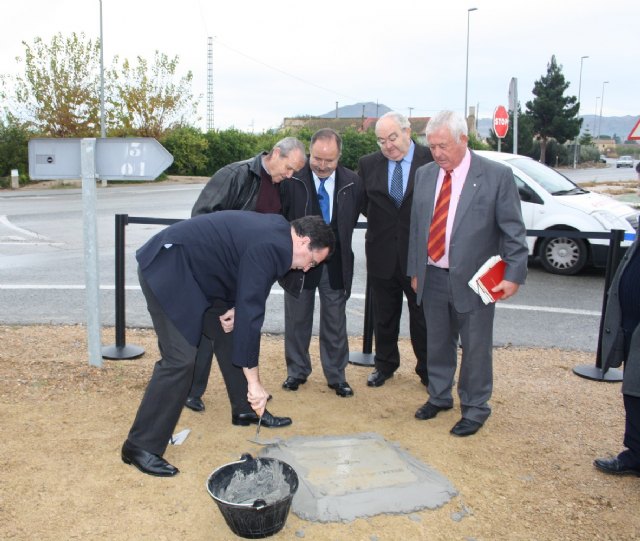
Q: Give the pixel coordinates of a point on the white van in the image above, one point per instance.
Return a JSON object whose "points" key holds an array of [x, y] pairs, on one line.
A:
{"points": [[551, 201]]}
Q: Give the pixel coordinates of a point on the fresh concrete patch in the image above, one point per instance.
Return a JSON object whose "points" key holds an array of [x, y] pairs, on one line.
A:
{"points": [[358, 475]]}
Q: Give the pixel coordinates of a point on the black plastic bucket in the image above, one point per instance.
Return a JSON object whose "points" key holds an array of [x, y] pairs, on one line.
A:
{"points": [[267, 513]]}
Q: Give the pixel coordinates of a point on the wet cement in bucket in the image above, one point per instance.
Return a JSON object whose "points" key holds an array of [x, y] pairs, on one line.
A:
{"points": [[360, 475], [266, 483]]}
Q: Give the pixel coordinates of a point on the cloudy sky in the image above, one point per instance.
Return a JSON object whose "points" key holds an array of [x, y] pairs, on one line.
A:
{"points": [[278, 59]]}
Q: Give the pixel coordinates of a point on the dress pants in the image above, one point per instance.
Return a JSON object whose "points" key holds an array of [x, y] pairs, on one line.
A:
{"points": [[387, 309], [162, 403], [334, 345], [631, 455], [475, 329], [215, 341]]}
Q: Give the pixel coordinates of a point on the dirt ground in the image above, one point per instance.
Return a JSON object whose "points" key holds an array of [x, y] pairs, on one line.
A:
{"points": [[527, 475]]}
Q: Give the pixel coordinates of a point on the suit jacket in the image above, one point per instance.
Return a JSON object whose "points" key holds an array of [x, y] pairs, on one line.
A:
{"points": [[387, 235], [229, 256], [300, 198], [488, 222], [612, 338]]}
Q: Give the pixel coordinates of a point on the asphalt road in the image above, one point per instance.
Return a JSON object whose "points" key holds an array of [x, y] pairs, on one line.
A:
{"points": [[42, 272]]}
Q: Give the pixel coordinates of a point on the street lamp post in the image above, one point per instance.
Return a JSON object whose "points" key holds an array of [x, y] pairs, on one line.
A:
{"points": [[595, 122], [575, 145], [466, 80], [601, 102], [103, 128]]}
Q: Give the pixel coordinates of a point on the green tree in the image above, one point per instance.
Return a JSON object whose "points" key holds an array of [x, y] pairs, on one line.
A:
{"points": [[58, 95], [586, 139], [188, 146], [553, 115], [356, 144], [14, 139], [145, 99]]}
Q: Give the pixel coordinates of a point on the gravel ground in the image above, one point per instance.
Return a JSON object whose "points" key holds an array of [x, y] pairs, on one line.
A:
{"points": [[527, 475]]}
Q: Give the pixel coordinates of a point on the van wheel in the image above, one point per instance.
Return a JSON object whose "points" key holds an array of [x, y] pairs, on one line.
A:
{"points": [[562, 255]]}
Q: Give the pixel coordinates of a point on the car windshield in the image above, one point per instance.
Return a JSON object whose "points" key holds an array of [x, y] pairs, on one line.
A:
{"points": [[549, 179]]}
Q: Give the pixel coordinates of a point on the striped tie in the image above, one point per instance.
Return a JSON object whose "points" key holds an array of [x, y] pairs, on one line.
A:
{"points": [[438, 228]]}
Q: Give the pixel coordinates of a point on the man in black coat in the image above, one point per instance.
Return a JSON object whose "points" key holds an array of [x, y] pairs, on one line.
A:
{"points": [[321, 188], [253, 184], [388, 177], [232, 258]]}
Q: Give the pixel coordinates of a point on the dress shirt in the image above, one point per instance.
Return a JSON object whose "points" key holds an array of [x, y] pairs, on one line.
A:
{"points": [[458, 176], [329, 185], [405, 163]]}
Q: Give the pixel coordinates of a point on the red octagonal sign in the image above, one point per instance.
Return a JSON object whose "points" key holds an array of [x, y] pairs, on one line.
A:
{"points": [[500, 121]]}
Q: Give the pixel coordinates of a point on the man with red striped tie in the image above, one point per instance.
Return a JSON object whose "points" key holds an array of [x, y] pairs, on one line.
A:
{"points": [[465, 210]]}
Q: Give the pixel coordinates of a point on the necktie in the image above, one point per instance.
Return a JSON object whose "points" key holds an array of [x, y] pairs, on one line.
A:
{"points": [[323, 199], [438, 228], [396, 185]]}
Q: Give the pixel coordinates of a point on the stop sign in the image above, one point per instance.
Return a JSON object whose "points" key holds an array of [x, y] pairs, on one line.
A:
{"points": [[500, 121]]}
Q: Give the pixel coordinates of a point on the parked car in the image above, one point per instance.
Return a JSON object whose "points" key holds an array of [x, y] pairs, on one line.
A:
{"points": [[602, 159], [550, 201], [624, 161]]}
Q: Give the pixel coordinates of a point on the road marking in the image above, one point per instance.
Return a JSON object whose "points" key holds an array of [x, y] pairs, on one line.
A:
{"points": [[5, 221], [278, 291]]}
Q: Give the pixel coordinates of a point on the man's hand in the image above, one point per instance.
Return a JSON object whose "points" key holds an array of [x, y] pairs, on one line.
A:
{"points": [[257, 394], [414, 284], [226, 320], [508, 288]]}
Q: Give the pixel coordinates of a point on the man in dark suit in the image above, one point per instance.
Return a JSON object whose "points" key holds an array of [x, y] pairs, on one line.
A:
{"points": [[621, 344], [465, 210], [321, 188], [253, 184], [231, 258], [388, 179]]}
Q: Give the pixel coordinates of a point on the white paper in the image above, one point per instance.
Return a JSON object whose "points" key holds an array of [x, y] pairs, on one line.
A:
{"points": [[477, 286], [178, 439]]}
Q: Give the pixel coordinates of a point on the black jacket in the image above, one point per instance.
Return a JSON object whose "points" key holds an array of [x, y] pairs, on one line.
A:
{"points": [[233, 187], [387, 238], [299, 198]]}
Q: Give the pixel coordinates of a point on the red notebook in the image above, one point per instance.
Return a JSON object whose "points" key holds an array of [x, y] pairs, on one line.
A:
{"points": [[488, 276]]}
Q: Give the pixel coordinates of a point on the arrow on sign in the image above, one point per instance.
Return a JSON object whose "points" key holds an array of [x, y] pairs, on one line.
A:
{"points": [[130, 158]]}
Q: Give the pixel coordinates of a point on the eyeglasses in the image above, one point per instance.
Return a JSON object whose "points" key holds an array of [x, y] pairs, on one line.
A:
{"points": [[391, 139]]}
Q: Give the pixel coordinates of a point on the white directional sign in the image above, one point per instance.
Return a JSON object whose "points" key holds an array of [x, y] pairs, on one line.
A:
{"points": [[130, 158]]}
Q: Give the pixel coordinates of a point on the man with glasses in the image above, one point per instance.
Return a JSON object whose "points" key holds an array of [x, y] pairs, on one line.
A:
{"points": [[252, 184], [388, 178], [321, 188]]}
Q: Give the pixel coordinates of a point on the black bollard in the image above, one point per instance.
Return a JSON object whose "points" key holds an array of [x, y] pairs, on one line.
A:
{"points": [[120, 351], [596, 373]]}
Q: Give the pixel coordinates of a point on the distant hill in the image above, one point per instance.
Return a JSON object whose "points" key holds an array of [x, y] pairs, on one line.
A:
{"points": [[611, 125], [371, 110]]}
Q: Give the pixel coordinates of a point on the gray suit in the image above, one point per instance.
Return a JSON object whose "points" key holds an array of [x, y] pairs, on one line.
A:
{"points": [[488, 222]]}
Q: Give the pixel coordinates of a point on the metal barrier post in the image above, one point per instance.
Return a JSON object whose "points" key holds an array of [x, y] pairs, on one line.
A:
{"points": [[366, 358], [120, 350], [613, 260]]}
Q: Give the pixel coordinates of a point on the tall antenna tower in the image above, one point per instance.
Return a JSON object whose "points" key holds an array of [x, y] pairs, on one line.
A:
{"points": [[210, 84]]}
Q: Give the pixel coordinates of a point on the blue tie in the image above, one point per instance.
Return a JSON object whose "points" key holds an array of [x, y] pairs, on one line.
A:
{"points": [[396, 184], [323, 199]]}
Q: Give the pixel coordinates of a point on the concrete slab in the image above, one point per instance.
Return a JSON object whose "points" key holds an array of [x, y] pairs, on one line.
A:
{"points": [[358, 475]]}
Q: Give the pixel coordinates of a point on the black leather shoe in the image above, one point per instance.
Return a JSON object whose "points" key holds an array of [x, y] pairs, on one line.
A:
{"points": [[429, 411], [424, 381], [147, 462], [377, 379], [268, 420], [466, 427], [342, 389], [194, 403], [615, 466], [292, 384]]}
